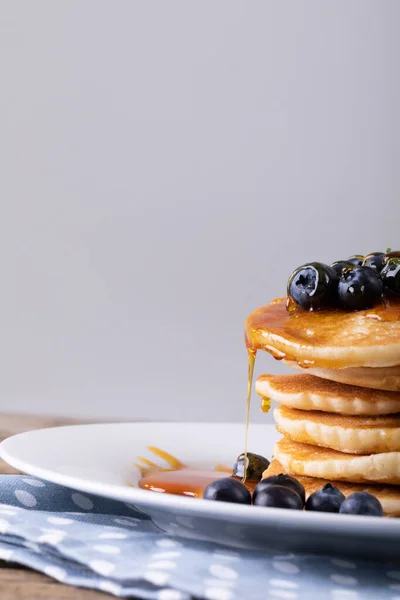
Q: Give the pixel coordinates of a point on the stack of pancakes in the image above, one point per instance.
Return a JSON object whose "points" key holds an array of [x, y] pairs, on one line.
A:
{"points": [[340, 417]]}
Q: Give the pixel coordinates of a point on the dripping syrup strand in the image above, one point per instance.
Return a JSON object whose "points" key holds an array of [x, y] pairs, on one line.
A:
{"points": [[252, 360]]}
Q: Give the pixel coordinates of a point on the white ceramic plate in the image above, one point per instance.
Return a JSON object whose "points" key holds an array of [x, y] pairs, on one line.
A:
{"points": [[98, 459]]}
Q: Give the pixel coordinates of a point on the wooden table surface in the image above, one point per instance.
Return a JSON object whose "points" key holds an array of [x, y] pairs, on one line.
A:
{"points": [[17, 583]]}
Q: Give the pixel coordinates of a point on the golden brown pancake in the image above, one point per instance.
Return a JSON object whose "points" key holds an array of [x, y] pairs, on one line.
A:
{"points": [[333, 339], [384, 378], [314, 461], [389, 496], [307, 392], [345, 433]]}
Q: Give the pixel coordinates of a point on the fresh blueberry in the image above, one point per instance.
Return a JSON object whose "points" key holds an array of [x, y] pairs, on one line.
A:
{"points": [[360, 288], [361, 503], [374, 260], [256, 465], [356, 260], [390, 275], [340, 265], [278, 497], [327, 499], [227, 490], [313, 286], [283, 481]]}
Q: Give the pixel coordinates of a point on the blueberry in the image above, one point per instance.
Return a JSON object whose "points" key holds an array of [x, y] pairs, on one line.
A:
{"points": [[356, 260], [256, 465], [340, 265], [283, 481], [374, 260], [227, 490], [360, 288], [313, 286], [390, 275], [361, 503], [278, 497], [327, 499]]}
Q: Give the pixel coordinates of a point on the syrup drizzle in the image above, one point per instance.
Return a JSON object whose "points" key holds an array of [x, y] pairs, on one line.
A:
{"points": [[252, 359]]}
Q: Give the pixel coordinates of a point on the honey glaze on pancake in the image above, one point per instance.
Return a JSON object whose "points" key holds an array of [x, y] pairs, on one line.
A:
{"points": [[181, 480], [283, 332]]}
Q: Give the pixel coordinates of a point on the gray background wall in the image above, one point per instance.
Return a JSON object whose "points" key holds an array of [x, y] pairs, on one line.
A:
{"points": [[164, 167]]}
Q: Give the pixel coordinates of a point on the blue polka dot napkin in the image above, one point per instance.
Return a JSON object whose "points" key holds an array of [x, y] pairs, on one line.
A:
{"points": [[92, 542]]}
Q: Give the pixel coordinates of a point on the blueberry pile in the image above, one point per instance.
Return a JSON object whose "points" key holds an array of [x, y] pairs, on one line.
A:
{"points": [[284, 491], [353, 284]]}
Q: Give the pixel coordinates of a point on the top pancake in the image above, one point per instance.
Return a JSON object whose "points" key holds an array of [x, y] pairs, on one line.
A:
{"points": [[328, 338]]}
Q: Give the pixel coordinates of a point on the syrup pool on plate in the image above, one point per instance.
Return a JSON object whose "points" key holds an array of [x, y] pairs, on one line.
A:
{"points": [[178, 478]]}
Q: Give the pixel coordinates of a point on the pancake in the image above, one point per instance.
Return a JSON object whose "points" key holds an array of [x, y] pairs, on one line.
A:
{"points": [[383, 378], [334, 339], [389, 496], [313, 461], [346, 433], [307, 392]]}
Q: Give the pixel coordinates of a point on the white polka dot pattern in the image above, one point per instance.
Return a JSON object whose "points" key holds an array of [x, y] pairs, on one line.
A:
{"points": [[286, 567], [25, 498], [217, 594], [343, 579], [82, 501], [223, 572], [343, 564], [157, 577], [34, 482], [102, 567], [117, 552], [167, 543]]}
